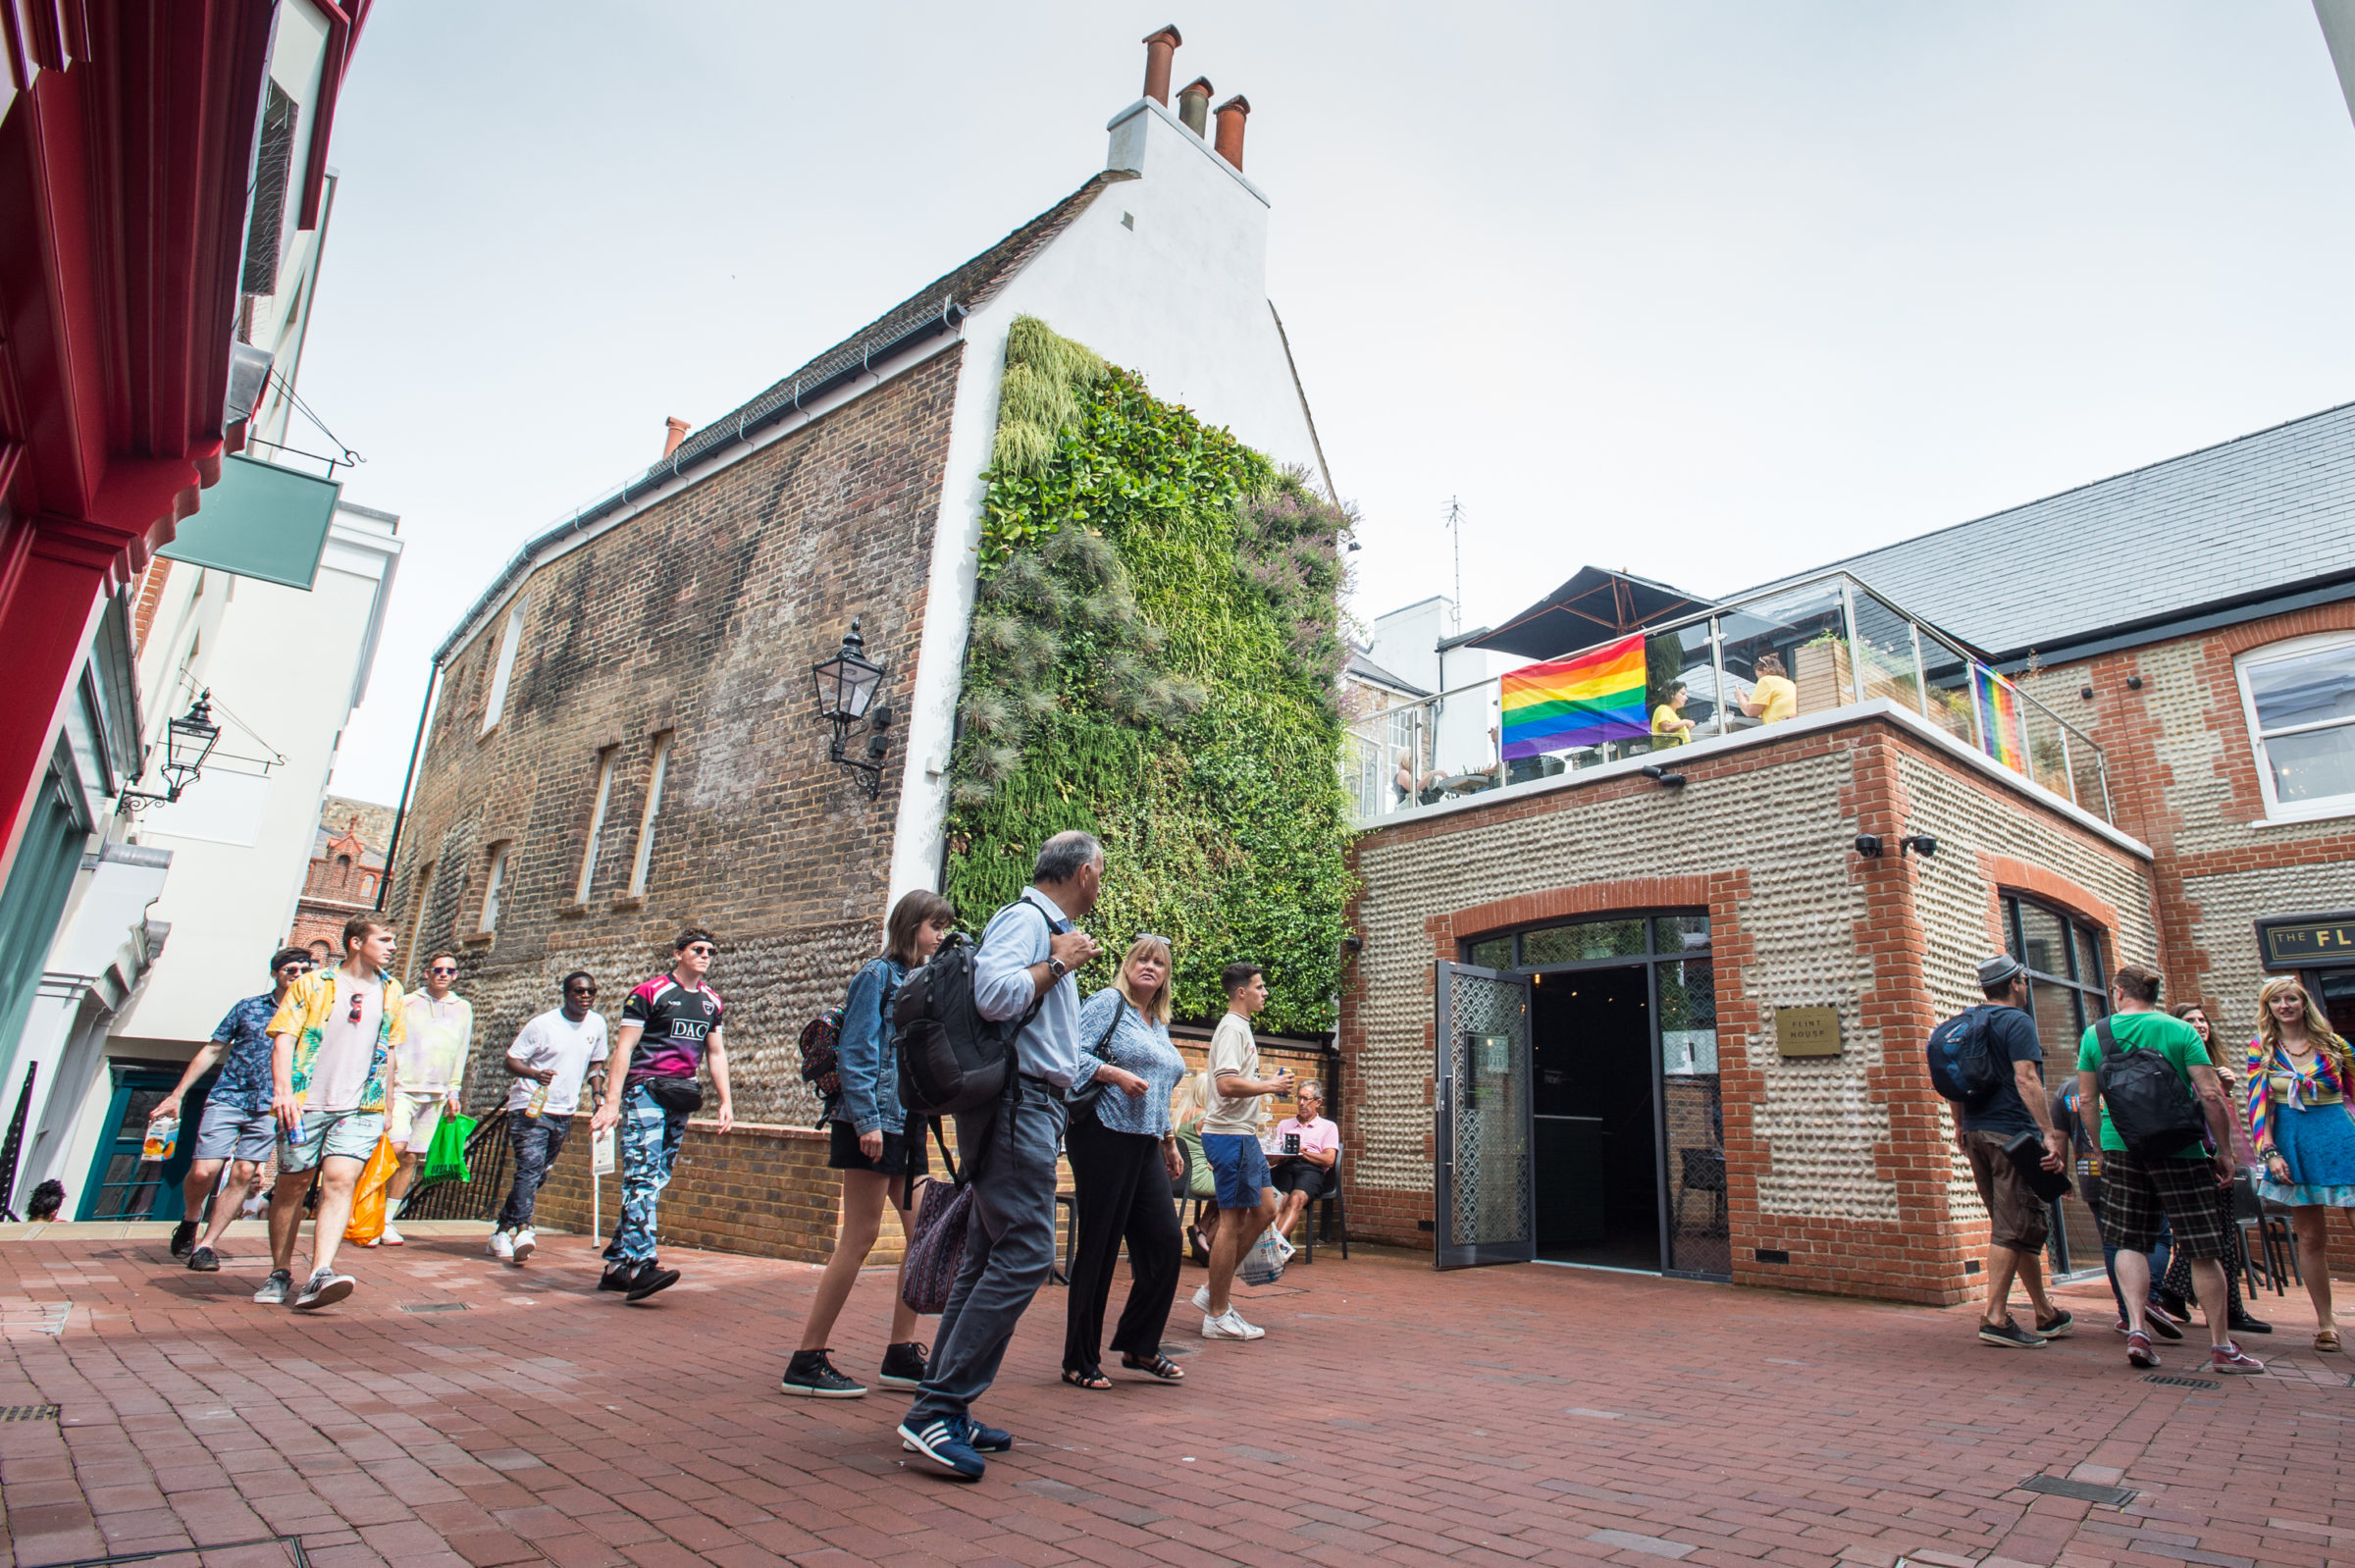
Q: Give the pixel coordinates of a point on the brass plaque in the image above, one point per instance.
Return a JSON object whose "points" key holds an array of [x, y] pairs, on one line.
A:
{"points": [[1806, 1031]]}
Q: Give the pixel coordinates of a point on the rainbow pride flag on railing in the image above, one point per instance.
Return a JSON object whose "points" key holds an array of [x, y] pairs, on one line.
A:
{"points": [[1999, 717], [1577, 701]]}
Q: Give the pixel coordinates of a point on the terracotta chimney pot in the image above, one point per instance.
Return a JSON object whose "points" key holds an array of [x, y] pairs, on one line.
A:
{"points": [[1230, 144], [677, 428], [1160, 48], [1194, 106]]}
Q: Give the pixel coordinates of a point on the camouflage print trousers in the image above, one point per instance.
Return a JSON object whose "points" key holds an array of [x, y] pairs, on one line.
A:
{"points": [[648, 1142]]}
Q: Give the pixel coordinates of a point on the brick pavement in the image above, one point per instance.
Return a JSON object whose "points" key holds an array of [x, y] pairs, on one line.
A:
{"points": [[1499, 1416]]}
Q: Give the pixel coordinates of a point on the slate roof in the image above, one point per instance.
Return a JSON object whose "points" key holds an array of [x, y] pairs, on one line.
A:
{"points": [[1366, 669], [935, 309], [2248, 521]]}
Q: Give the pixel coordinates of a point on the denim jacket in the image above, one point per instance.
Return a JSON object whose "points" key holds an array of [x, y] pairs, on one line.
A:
{"points": [[871, 1069]]}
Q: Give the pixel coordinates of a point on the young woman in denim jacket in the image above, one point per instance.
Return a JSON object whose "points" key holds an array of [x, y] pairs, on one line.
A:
{"points": [[878, 1148]]}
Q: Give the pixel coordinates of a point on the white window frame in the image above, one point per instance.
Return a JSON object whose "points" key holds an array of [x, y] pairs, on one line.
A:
{"points": [[606, 760], [508, 645], [2256, 657], [493, 884], [656, 771]]}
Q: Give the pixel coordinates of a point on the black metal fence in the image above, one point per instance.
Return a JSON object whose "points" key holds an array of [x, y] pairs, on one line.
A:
{"points": [[479, 1196]]}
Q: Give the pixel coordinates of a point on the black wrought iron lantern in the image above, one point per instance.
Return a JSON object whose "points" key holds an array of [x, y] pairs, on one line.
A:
{"points": [[847, 684], [188, 741]]}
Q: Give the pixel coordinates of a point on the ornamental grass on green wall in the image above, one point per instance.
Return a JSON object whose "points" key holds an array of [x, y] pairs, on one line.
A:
{"points": [[1154, 655]]}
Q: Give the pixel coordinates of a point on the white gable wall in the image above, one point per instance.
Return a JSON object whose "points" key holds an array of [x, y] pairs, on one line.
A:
{"points": [[1178, 295]]}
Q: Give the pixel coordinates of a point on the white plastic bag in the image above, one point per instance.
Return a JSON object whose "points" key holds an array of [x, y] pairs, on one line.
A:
{"points": [[1264, 1263]]}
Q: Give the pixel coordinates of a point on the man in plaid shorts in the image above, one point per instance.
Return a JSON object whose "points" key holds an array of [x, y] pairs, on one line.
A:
{"points": [[2137, 1190]]}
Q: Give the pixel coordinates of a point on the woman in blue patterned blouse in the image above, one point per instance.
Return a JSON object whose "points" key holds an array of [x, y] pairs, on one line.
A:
{"points": [[1123, 1151]]}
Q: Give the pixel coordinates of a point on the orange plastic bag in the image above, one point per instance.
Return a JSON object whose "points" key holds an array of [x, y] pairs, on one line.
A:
{"points": [[368, 1199]]}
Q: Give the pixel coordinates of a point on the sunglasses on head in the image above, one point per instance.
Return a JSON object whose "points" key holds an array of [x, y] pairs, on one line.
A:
{"points": [[1154, 937]]}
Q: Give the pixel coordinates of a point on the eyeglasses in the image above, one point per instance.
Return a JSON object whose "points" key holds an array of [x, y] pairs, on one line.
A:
{"points": [[443, 969], [356, 1000]]}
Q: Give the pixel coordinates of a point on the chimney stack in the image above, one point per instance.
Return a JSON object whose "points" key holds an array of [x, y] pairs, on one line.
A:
{"points": [[1194, 106], [676, 428], [1160, 49], [1230, 144]]}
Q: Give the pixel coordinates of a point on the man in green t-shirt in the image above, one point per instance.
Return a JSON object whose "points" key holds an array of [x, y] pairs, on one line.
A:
{"points": [[2137, 1190]]}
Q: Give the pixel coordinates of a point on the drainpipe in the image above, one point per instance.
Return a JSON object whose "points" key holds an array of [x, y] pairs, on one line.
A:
{"points": [[401, 815]]}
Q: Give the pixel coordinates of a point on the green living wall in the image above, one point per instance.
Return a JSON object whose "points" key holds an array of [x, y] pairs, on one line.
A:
{"points": [[1154, 655]]}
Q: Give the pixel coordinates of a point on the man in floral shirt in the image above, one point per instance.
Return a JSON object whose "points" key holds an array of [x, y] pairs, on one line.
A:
{"points": [[236, 1120], [330, 1049]]}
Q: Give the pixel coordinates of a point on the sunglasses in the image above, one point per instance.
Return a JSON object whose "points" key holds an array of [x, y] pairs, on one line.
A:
{"points": [[356, 1000], [443, 969], [702, 950], [1154, 937], [580, 990]]}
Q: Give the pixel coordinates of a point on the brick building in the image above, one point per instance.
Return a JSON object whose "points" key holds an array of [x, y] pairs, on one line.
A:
{"points": [[1589, 1021], [348, 862], [623, 736]]}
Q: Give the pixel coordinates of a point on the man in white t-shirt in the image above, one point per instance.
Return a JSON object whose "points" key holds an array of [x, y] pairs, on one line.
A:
{"points": [[551, 1056], [330, 1059], [1247, 1204]]}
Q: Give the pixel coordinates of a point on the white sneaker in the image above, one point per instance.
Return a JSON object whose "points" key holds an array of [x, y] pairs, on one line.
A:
{"points": [[1229, 1325], [525, 1241], [393, 1238], [1202, 1299], [503, 1246]]}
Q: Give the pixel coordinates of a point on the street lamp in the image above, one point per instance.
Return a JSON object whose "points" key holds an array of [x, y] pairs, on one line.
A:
{"points": [[847, 684], [188, 741]]}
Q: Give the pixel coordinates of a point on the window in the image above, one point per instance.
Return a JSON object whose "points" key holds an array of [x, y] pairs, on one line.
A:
{"points": [[494, 883], [506, 663], [2299, 698], [2067, 981], [645, 820], [273, 164], [596, 824]]}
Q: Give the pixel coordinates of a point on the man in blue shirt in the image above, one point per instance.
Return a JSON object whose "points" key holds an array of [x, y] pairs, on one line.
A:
{"points": [[236, 1120], [1023, 969]]}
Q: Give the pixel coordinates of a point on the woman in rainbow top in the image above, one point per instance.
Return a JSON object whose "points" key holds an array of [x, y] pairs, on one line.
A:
{"points": [[2302, 1127]]}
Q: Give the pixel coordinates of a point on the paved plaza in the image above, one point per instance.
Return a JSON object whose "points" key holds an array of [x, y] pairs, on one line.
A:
{"points": [[454, 1411]]}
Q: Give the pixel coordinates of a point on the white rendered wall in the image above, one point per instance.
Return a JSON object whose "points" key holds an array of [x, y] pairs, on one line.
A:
{"points": [[289, 664], [1178, 294]]}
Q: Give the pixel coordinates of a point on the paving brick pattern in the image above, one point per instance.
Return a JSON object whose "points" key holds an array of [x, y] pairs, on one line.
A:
{"points": [[1500, 1416]]}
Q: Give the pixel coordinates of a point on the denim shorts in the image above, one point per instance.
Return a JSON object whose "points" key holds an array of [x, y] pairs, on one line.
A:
{"points": [[333, 1134], [1241, 1166], [232, 1132]]}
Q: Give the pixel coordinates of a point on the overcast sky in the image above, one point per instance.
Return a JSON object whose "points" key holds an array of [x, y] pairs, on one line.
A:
{"points": [[1704, 291]]}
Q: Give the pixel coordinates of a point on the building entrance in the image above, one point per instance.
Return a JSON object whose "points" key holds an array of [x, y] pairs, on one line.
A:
{"points": [[1600, 1044]]}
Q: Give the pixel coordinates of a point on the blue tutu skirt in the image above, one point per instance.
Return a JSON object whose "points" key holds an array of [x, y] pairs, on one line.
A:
{"points": [[2319, 1142]]}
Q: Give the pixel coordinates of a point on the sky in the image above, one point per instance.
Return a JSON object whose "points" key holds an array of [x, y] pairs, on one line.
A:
{"points": [[1706, 292]]}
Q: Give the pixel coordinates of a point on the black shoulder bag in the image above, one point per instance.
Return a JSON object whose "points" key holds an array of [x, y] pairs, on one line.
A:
{"points": [[1081, 1101]]}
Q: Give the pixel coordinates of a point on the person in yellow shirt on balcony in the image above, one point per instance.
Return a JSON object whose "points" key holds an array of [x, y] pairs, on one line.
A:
{"points": [[1772, 698], [1668, 721]]}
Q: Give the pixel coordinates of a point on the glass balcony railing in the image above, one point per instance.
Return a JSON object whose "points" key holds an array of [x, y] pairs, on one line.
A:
{"points": [[1749, 664]]}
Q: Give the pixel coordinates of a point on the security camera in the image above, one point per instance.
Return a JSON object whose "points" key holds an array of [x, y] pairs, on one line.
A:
{"points": [[1868, 845]]}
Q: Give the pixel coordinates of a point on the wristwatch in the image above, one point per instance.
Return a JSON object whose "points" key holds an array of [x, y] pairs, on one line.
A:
{"points": [[1056, 970]]}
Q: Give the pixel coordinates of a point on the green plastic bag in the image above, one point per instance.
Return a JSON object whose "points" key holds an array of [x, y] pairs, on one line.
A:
{"points": [[446, 1156]]}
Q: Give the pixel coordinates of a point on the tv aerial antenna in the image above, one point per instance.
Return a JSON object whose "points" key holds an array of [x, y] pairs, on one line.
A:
{"points": [[1456, 530]]}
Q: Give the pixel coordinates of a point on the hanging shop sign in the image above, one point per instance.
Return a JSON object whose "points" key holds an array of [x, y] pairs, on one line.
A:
{"points": [[2306, 941]]}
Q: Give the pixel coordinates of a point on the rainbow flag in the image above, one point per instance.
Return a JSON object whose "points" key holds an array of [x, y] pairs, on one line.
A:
{"points": [[1999, 717], [1585, 700]]}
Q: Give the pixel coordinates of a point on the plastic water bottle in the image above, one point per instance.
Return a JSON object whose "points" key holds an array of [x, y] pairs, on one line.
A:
{"points": [[162, 1136]]}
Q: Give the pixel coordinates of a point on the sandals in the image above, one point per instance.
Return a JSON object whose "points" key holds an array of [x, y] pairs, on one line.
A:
{"points": [[2325, 1340], [1093, 1379], [1161, 1367]]}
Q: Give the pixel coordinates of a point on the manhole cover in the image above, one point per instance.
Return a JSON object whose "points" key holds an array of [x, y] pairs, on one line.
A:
{"points": [[2182, 1382], [2082, 1490], [435, 1306], [28, 1412]]}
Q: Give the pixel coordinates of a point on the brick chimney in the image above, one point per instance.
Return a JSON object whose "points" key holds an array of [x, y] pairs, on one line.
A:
{"points": [[675, 429], [1194, 106], [1230, 144], [1160, 49]]}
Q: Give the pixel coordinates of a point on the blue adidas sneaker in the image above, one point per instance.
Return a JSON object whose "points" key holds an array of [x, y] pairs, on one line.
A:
{"points": [[945, 1443], [986, 1439]]}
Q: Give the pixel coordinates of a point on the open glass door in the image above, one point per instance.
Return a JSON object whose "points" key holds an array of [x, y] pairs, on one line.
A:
{"points": [[1485, 1209]]}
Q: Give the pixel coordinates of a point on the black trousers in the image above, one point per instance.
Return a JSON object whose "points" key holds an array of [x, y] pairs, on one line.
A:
{"points": [[1123, 1190]]}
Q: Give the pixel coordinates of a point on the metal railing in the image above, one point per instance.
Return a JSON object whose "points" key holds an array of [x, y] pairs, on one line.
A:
{"points": [[485, 1188], [1796, 649]]}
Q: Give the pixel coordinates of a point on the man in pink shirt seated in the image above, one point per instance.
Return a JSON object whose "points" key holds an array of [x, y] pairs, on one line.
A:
{"points": [[1307, 1149]]}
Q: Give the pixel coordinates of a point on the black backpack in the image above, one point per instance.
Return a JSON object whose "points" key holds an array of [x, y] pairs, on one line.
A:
{"points": [[952, 1058], [2150, 1106], [1962, 1067]]}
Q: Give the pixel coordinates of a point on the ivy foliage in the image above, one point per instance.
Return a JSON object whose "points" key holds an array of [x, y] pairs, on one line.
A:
{"points": [[1154, 654]]}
